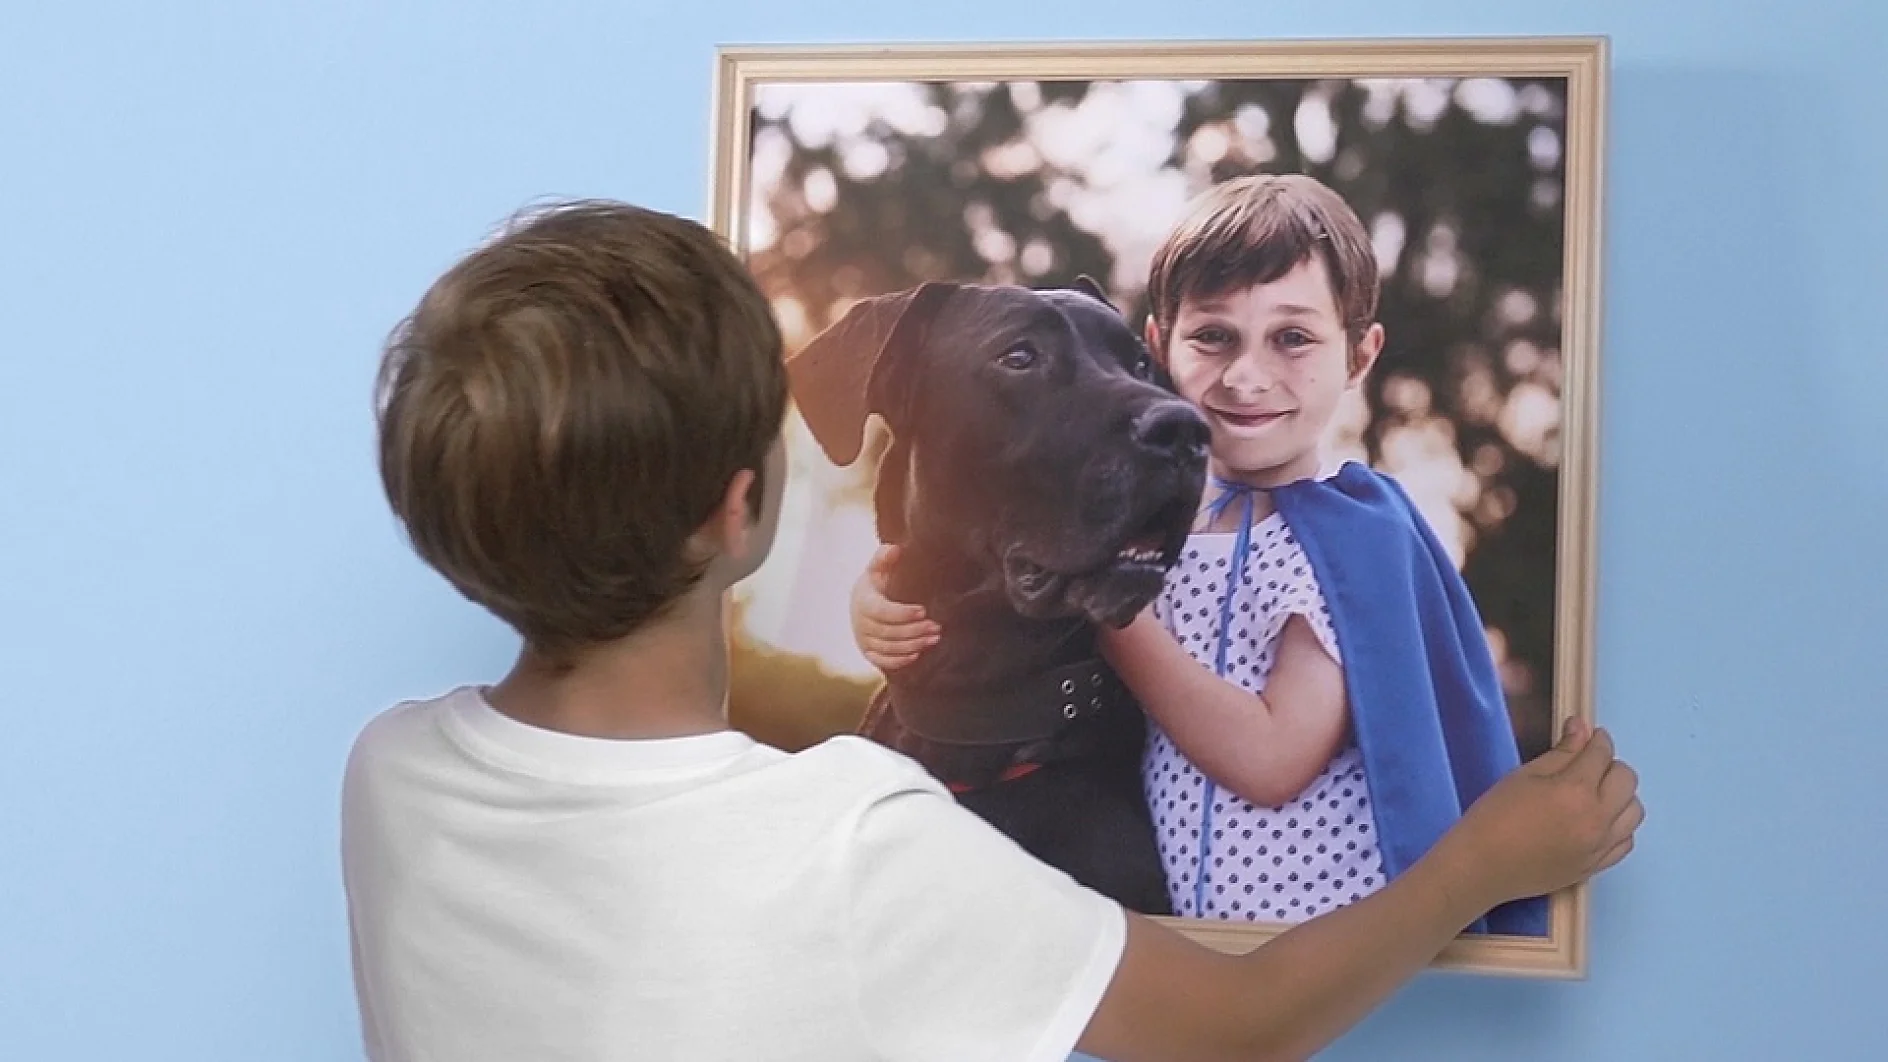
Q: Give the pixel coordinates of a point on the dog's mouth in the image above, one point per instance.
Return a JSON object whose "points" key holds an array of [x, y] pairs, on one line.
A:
{"points": [[1155, 542], [1131, 571]]}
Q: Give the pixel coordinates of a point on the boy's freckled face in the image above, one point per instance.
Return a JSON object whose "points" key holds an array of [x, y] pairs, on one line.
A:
{"points": [[1267, 365]]}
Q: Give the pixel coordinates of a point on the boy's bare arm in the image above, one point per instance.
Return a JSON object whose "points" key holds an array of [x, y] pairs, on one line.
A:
{"points": [[1552, 823], [1173, 1000], [1266, 748]]}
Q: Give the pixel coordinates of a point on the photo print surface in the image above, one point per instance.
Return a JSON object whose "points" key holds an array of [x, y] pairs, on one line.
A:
{"points": [[1031, 357]]}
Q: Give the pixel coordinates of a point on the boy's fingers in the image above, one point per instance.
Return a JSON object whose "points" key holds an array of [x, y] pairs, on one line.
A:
{"points": [[890, 661], [880, 566], [889, 618], [1550, 762], [1614, 855], [1590, 764], [875, 600], [1628, 823], [1572, 739], [1574, 735], [1620, 786], [875, 646], [901, 639]]}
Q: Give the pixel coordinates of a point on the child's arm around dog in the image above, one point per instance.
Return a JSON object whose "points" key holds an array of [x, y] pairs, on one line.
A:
{"points": [[1265, 748]]}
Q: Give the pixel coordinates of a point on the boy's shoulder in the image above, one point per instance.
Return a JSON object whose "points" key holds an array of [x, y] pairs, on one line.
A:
{"points": [[1363, 533], [401, 727], [460, 725], [1353, 502], [872, 767]]}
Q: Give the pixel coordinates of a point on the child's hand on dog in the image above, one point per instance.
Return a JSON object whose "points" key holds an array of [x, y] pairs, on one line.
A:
{"points": [[890, 634]]}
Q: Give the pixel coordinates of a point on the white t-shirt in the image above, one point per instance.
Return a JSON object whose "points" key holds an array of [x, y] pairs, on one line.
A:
{"points": [[516, 893]]}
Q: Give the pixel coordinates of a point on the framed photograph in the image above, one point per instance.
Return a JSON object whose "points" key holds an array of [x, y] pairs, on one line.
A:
{"points": [[1192, 446]]}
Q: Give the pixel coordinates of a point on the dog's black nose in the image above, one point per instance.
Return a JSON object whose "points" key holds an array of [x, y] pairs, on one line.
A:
{"points": [[1171, 427]]}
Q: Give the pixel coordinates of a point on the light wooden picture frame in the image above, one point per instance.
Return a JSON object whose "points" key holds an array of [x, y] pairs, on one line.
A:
{"points": [[847, 174]]}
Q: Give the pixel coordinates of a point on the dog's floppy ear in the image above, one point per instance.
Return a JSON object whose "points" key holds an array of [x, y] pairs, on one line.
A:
{"points": [[840, 378], [1150, 367], [1088, 286]]}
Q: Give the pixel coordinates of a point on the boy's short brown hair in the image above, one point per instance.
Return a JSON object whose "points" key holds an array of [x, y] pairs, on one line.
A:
{"points": [[1255, 229], [567, 406]]}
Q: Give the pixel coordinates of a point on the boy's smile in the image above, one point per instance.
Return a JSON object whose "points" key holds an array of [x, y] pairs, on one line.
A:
{"points": [[1246, 422], [1267, 365]]}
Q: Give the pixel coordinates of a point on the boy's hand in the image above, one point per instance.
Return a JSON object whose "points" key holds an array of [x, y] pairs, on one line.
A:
{"points": [[890, 634], [1561, 818]]}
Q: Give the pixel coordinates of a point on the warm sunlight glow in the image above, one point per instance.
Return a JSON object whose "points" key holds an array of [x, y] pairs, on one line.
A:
{"points": [[798, 601]]}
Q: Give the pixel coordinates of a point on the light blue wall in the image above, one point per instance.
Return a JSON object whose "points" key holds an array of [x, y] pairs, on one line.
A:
{"points": [[214, 211]]}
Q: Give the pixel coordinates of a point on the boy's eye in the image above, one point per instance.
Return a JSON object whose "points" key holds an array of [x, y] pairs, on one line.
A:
{"points": [[1212, 337], [1293, 338], [1020, 356]]}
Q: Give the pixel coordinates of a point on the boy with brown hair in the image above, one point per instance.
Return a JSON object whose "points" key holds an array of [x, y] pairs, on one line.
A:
{"points": [[580, 431]]}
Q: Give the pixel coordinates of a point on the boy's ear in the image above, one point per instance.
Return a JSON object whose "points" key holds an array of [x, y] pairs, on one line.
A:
{"points": [[733, 516], [1157, 373], [1364, 354], [1150, 335], [851, 370]]}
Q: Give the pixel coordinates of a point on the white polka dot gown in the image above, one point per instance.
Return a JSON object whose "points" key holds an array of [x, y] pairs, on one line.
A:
{"points": [[1319, 851]]}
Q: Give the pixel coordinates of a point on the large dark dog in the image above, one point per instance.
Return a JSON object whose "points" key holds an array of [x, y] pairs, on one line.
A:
{"points": [[1040, 480]]}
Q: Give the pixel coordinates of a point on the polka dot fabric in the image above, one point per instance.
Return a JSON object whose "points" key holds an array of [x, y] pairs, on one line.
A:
{"points": [[1316, 853]]}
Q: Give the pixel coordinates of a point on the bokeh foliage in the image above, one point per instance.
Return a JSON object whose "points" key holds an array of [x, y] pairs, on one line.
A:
{"points": [[1462, 184]]}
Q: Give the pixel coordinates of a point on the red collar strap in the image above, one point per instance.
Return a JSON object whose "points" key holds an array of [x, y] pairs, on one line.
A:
{"points": [[1010, 774]]}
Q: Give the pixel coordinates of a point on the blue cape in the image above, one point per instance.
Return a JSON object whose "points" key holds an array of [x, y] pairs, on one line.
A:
{"points": [[1425, 696]]}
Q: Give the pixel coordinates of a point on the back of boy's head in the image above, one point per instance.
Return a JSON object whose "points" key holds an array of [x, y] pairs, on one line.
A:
{"points": [[567, 406], [1254, 230]]}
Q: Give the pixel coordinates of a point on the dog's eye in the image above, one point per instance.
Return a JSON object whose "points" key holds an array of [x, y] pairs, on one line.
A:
{"points": [[1020, 356]]}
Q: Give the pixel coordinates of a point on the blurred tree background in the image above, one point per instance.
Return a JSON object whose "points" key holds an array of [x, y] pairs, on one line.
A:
{"points": [[863, 189]]}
